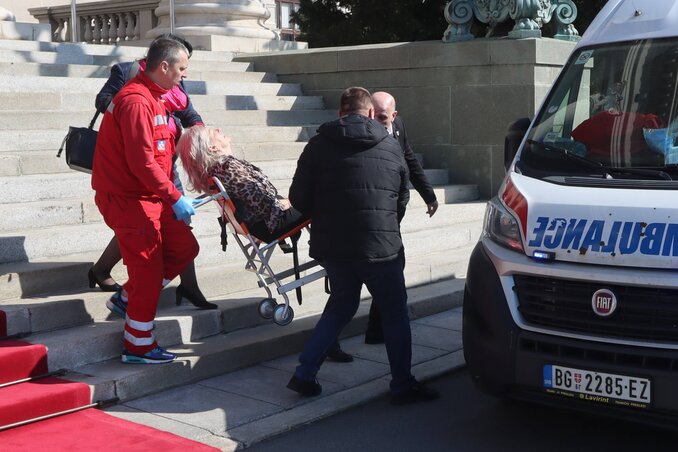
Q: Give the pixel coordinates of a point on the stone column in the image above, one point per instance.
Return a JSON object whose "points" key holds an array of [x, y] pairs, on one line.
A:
{"points": [[237, 18]]}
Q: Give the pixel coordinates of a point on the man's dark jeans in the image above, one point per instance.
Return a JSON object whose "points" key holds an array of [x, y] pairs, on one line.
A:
{"points": [[386, 283]]}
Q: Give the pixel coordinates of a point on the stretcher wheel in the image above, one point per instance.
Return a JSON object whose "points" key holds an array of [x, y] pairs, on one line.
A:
{"points": [[281, 317], [266, 308]]}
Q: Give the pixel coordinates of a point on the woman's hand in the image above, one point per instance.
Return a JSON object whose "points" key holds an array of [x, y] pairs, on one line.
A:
{"points": [[285, 203]]}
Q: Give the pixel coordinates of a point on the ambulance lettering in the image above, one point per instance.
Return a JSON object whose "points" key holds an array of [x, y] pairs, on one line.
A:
{"points": [[598, 236]]}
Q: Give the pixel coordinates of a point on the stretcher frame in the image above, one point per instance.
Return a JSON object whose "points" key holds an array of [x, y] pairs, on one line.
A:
{"points": [[258, 255]]}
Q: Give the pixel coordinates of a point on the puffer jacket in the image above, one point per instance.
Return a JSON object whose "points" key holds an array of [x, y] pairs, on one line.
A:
{"points": [[351, 179]]}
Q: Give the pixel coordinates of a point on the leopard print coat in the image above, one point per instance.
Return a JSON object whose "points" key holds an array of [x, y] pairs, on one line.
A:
{"points": [[254, 195]]}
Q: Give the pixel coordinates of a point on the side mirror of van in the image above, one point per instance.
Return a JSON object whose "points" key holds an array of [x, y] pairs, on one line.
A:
{"points": [[514, 136]]}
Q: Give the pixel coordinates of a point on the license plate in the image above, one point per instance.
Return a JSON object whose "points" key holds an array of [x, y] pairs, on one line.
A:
{"points": [[598, 386]]}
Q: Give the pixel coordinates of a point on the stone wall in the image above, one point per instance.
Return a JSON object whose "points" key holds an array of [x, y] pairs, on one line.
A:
{"points": [[456, 99]]}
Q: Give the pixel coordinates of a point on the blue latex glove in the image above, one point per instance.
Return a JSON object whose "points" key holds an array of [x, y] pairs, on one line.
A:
{"points": [[183, 208]]}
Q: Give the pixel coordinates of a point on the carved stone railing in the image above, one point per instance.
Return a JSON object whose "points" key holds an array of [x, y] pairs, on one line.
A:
{"points": [[106, 22], [529, 17]]}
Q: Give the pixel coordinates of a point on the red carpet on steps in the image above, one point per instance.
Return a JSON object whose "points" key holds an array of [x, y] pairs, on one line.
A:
{"points": [[88, 430], [20, 360], [39, 398], [93, 430]]}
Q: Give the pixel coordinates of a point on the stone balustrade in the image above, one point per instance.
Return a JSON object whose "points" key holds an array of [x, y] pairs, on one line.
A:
{"points": [[107, 22]]}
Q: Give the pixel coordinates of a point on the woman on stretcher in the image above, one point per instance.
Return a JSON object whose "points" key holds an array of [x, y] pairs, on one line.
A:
{"points": [[205, 152]]}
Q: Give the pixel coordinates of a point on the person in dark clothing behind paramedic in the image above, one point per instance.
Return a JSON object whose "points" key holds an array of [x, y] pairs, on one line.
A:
{"points": [[351, 180], [135, 194], [178, 103], [385, 112]]}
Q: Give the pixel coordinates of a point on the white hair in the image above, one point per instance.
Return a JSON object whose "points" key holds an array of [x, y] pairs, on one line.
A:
{"points": [[196, 157]]}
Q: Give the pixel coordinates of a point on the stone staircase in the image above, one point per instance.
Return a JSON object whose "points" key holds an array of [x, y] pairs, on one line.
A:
{"points": [[51, 231]]}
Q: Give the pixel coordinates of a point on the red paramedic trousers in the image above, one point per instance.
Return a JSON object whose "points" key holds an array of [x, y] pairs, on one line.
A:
{"points": [[154, 246]]}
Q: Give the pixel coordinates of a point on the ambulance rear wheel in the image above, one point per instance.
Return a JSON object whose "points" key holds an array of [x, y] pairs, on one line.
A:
{"points": [[266, 308], [281, 316]]}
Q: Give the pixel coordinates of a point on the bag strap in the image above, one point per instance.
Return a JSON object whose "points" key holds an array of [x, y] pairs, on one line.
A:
{"points": [[295, 258], [94, 119], [63, 143], [224, 233]]}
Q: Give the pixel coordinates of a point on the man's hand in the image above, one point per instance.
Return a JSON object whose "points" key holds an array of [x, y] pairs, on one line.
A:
{"points": [[183, 208], [431, 208]]}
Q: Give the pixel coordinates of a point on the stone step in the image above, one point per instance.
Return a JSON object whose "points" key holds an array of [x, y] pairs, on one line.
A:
{"points": [[210, 74], [447, 194], [23, 189], [16, 163], [213, 355], [124, 52], [272, 151], [437, 176], [219, 87], [73, 200], [248, 102], [198, 70], [40, 140], [78, 48], [18, 56], [13, 84], [224, 282], [459, 224], [84, 102], [75, 184], [64, 196], [58, 120], [22, 244], [59, 317]]}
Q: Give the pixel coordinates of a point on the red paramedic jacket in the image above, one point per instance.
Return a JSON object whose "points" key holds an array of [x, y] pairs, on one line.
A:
{"points": [[134, 149]]}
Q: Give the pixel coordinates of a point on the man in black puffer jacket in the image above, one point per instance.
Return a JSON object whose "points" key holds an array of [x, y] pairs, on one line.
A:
{"points": [[351, 180]]}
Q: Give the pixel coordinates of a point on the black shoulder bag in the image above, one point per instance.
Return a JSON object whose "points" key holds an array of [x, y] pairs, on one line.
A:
{"points": [[80, 143]]}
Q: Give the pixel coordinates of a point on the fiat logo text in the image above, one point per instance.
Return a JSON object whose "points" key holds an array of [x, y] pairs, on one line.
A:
{"points": [[604, 302]]}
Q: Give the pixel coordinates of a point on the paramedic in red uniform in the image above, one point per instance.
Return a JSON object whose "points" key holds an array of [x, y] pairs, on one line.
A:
{"points": [[132, 177]]}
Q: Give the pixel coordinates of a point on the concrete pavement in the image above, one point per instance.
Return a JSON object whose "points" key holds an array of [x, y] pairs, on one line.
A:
{"points": [[238, 409]]}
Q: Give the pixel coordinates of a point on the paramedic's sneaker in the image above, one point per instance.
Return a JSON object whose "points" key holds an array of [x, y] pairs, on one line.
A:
{"points": [[116, 305], [155, 356]]}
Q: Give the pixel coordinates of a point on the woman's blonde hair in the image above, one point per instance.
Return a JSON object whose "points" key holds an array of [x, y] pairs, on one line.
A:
{"points": [[196, 157]]}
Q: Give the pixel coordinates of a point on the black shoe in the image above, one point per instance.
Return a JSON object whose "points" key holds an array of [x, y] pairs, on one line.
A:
{"points": [[338, 355], [417, 392], [373, 337], [197, 299], [94, 281], [305, 388]]}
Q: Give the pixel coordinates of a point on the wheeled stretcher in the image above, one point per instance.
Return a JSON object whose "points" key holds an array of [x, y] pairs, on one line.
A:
{"points": [[258, 255]]}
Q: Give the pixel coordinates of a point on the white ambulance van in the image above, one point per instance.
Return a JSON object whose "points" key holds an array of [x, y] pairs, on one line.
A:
{"points": [[571, 295]]}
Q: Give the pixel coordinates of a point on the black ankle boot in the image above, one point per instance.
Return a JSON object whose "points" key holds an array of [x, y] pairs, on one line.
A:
{"points": [[197, 299]]}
